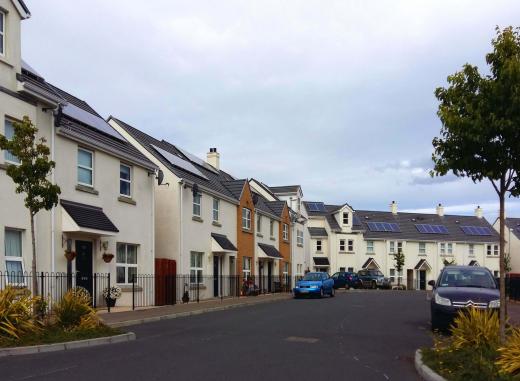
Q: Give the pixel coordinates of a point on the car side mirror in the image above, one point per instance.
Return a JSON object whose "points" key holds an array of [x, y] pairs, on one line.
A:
{"points": [[431, 283]]}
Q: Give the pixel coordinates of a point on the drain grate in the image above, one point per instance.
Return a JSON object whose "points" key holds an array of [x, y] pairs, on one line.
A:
{"points": [[296, 339]]}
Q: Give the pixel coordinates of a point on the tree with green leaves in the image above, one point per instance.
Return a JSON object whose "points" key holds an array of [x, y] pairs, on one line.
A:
{"points": [[31, 175], [480, 134], [399, 264]]}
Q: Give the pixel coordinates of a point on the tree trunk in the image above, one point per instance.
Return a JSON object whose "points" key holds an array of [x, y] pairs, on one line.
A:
{"points": [[33, 267], [503, 316]]}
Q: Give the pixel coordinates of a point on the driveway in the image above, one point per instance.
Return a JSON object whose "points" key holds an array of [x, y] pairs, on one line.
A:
{"points": [[358, 335]]}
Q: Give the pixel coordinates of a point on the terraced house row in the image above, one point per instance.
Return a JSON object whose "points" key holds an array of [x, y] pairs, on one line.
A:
{"points": [[136, 205]]}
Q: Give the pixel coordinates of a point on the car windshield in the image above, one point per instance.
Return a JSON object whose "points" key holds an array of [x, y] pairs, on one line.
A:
{"points": [[479, 278], [313, 276]]}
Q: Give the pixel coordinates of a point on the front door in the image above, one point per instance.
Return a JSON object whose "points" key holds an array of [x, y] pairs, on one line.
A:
{"points": [[84, 265], [409, 279], [216, 275], [422, 280], [269, 275]]}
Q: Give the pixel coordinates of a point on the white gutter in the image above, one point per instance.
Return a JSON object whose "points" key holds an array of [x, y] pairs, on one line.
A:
{"points": [[53, 212], [181, 224], [153, 224]]}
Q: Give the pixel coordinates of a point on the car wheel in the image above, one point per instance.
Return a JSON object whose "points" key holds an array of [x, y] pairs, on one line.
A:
{"points": [[374, 285], [347, 287], [436, 324], [322, 293], [332, 292]]}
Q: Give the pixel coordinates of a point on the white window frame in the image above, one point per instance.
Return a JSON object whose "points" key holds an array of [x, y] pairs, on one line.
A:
{"points": [[392, 275], [342, 245], [10, 258], [129, 182], [319, 245], [442, 248], [370, 247], [196, 272], [246, 218], [422, 248], [492, 250], [400, 246], [3, 15], [285, 232], [471, 250], [125, 264], [7, 152], [271, 228], [91, 169], [391, 248], [246, 267], [299, 237], [216, 209], [345, 218], [197, 205], [350, 245], [259, 223], [449, 248]]}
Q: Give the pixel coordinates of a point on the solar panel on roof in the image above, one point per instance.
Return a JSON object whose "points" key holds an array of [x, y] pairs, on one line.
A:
{"points": [[316, 207], [178, 162], [476, 230], [197, 160], [91, 120], [384, 227], [431, 229]]}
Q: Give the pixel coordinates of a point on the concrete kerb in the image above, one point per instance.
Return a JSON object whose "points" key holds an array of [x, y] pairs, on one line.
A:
{"points": [[189, 313], [16, 351], [424, 371]]}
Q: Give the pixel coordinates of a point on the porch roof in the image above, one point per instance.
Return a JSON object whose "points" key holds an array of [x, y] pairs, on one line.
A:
{"points": [[221, 243], [86, 218], [320, 261], [370, 261], [270, 251], [474, 263], [422, 264]]}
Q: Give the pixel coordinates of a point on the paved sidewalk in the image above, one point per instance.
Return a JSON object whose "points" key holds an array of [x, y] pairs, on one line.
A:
{"points": [[139, 316], [513, 310]]}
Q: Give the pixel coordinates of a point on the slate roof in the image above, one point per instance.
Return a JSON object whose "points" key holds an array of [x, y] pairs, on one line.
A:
{"points": [[264, 206], [270, 250], [235, 187], [223, 241], [328, 214], [219, 181], [285, 189], [79, 130], [317, 232], [321, 261], [277, 207], [514, 224], [407, 222], [88, 216], [265, 188]]}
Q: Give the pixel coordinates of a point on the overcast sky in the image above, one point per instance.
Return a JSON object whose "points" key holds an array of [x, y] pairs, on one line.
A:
{"points": [[334, 95]]}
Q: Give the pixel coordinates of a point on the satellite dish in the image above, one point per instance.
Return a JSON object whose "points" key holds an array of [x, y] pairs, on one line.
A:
{"points": [[160, 177], [255, 199], [195, 189]]}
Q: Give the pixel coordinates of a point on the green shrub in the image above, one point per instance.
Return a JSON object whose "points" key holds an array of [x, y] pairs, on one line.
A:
{"points": [[16, 314], [74, 310]]}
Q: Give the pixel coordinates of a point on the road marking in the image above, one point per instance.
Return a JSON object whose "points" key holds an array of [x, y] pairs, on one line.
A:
{"points": [[296, 339], [48, 372]]}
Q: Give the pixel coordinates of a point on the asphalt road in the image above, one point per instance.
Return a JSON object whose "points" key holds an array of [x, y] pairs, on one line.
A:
{"points": [[359, 335]]}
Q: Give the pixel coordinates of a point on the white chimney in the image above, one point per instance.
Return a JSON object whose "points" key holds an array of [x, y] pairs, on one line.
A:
{"points": [[478, 212], [393, 207], [213, 158], [440, 210]]}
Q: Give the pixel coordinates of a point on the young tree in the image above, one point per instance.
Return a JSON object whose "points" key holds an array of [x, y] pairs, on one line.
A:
{"points": [[480, 134], [30, 176], [399, 264]]}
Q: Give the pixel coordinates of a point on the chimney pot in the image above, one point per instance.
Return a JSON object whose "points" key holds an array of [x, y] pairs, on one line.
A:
{"points": [[393, 207], [440, 210], [478, 212], [213, 158]]}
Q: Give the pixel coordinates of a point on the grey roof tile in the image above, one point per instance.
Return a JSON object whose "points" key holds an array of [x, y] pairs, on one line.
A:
{"points": [[514, 225], [317, 232]]}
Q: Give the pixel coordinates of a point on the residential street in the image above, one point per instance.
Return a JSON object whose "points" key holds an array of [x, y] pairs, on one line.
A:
{"points": [[358, 335]]}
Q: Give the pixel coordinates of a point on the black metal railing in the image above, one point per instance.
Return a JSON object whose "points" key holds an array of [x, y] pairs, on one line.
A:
{"points": [[513, 286], [52, 286]]}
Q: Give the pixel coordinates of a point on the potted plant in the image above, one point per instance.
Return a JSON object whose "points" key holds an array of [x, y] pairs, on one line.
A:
{"points": [[70, 255], [107, 257], [111, 294]]}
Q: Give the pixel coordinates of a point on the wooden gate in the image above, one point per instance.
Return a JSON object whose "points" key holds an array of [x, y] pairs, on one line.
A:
{"points": [[165, 281]]}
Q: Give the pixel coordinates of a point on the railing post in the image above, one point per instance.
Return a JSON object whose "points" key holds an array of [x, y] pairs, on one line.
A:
{"points": [[106, 300], [41, 285], [198, 287], [133, 292], [94, 296]]}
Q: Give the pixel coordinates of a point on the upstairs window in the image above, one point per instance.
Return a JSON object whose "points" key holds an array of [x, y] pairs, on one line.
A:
{"points": [[399, 247], [422, 248], [85, 167], [2, 33], [492, 250], [392, 247], [299, 237], [449, 248], [9, 134], [443, 248], [370, 246], [125, 180], [271, 228], [350, 245], [285, 232], [318, 245], [345, 218], [196, 204], [471, 249], [259, 223], [246, 219], [216, 209], [341, 245]]}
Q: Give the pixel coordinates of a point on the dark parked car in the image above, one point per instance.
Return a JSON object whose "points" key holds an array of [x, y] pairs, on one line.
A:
{"points": [[318, 283], [373, 279], [346, 280], [461, 287]]}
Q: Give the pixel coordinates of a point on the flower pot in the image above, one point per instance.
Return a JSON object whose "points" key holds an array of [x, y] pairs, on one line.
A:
{"points": [[108, 257], [70, 255], [111, 302]]}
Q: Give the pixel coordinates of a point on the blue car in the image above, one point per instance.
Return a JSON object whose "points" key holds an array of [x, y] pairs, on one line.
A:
{"points": [[318, 284]]}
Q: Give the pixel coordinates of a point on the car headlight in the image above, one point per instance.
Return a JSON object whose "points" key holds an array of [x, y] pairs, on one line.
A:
{"points": [[494, 303], [442, 301]]}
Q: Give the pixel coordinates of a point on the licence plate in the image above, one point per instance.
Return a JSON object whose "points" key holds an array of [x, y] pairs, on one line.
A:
{"points": [[304, 291]]}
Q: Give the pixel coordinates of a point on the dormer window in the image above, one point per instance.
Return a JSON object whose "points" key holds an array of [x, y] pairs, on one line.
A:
{"points": [[2, 33], [345, 218]]}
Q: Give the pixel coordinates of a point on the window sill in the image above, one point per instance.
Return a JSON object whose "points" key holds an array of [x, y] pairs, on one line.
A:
{"points": [[86, 189], [246, 231], [492, 256], [370, 253], [272, 238], [422, 254], [319, 252], [193, 286], [197, 219], [299, 245], [286, 240], [128, 288], [260, 235], [5, 62], [127, 200], [216, 223]]}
